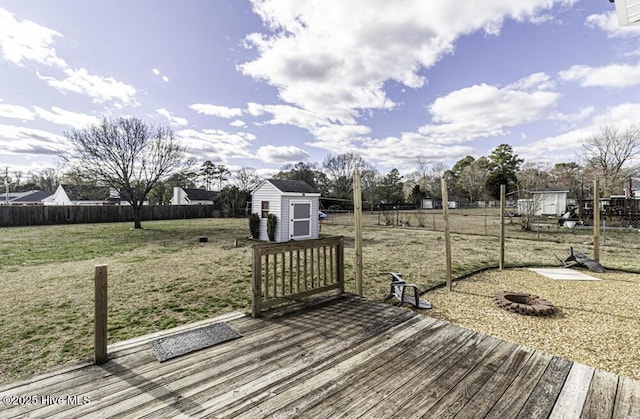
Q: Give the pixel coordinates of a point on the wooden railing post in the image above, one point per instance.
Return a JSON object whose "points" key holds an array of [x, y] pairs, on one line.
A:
{"points": [[596, 220], [256, 306], [100, 294], [447, 234], [340, 264], [503, 189]]}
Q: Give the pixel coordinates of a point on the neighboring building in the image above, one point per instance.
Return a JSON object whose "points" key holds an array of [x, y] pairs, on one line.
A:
{"points": [[294, 202], [85, 195], [549, 201], [428, 203], [192, 196], [24, 198]]}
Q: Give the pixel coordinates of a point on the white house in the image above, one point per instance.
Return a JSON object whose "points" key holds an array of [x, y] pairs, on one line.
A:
{"points": [[85, 195], [192, 196], [549, 201], [294, 202]]}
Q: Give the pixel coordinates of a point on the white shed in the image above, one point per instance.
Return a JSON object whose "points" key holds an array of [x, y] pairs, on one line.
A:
{"points": [[294, 202], [550, 201]]}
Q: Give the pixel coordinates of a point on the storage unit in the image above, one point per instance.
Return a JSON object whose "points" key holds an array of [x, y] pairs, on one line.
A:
{"points": [[295, 203]]}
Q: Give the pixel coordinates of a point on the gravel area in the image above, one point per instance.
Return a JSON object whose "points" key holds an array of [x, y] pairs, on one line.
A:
{"points": [[596, 323]]}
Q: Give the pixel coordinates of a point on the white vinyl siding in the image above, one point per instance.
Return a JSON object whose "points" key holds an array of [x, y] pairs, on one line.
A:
{"points": [[628, 12]]}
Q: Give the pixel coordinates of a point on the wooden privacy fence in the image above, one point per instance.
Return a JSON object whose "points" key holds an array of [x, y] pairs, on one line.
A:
{"points": [[285, 272], [33, 215]]}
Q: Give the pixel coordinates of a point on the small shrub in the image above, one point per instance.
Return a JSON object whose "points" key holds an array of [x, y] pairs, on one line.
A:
{"points": [[421, 218], [254, 225], [272, 223], [387, 216]]}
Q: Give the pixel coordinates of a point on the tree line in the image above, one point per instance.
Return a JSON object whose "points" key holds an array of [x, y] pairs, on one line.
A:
{"points": [[145, 161]]}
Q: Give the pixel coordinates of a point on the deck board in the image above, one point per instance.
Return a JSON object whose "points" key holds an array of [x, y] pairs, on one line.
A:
{"points": [[343, 357]]}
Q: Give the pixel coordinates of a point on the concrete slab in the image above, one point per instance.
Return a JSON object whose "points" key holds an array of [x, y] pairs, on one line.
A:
{"points": [[564, 274]]}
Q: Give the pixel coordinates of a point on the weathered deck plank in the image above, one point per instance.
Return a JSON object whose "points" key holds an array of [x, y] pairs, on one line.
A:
{"points": [[601, 396], [574, 393], [345, 357], [544, 395], [627, 404], [345, 390]]}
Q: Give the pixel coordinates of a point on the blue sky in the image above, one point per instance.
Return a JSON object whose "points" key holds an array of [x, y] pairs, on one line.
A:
{"points": [[266, 83]]}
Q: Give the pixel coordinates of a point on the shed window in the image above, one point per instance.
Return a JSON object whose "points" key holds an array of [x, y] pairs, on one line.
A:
{"points": [[265, 209]]}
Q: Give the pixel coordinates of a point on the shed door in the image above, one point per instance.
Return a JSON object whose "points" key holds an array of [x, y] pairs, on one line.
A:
{"points": [[300, 219]]}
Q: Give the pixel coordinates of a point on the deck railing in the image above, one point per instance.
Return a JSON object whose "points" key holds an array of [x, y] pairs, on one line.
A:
{"points": [[290, 271]]}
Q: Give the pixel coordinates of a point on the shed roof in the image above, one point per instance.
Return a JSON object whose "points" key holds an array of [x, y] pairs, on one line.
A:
{"points": [[293, 186]]}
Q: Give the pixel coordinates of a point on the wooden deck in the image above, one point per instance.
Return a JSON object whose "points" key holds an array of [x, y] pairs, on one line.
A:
{"points": [[345, 357]]}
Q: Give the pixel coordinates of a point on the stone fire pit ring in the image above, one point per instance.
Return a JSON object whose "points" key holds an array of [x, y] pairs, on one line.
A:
{"points": [[522, 303]]}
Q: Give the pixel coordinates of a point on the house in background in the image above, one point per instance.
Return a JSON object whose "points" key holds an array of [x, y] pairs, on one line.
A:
{"points": [[294, 202], [85, 195], [192, 196], [24, 198]]}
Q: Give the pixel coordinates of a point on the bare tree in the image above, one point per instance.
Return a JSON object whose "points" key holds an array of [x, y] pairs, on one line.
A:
{"points": [[247, 179], [473, 180], [608, 151], [128, 155], [339, 169]]}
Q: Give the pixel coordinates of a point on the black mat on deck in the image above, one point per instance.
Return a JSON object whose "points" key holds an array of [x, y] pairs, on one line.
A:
{"points": [[192, 340]]}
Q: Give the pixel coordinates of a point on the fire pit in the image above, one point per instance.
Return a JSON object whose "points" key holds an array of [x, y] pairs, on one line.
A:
{"points": [[521, 303]]}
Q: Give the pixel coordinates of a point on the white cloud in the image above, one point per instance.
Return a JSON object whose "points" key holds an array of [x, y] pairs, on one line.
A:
{"points": [[608, 22], [401, 152], [23, 41], [101, 89], [156, 71], [173, 120], [572, 118], [215, 110], [237, 123], [483, 110], [165, 79], [217, 144], [334, 57], [284, 154], [16, 112], [335, 136], [613, 75], [63, 117], [29, 142], [568, 146]]}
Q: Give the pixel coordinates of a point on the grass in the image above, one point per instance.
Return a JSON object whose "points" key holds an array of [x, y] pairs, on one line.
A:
{"points": [[162, 276]]}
